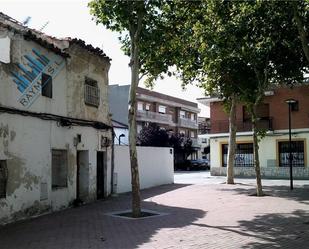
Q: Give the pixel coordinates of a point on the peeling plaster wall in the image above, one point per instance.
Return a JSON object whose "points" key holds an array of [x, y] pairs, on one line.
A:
{"points": [[26, 142], [81, 65]]}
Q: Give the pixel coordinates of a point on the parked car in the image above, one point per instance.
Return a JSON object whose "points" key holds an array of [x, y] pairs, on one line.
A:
{"points": [[200, 164], [194, 164]]}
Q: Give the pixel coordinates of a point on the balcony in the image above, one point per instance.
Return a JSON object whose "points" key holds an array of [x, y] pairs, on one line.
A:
{"points": [[222, 126], [154, 117], [188, 123]]}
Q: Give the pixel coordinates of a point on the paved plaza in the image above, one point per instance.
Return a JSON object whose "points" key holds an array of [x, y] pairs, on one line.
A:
{"points": [[202, 215]]}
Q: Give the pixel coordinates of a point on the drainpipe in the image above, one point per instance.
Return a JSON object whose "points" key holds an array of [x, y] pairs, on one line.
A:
{"points": [[113, 162]]}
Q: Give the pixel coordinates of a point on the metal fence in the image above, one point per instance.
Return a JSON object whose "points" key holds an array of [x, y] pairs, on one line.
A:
{"points": [[243, 157], [297, 149]]}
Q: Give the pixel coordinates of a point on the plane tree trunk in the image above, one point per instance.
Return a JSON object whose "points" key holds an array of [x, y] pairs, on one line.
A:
{"points": [[232, 142], [135, 69]]}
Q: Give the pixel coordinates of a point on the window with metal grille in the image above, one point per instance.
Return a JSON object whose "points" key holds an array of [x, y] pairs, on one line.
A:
{"points": [[59, 168], [243, 156], [92, 92], [3, 178], [297, 149]]}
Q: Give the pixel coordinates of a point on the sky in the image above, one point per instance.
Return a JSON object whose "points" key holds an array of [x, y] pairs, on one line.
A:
{"points": [[71, 18]]}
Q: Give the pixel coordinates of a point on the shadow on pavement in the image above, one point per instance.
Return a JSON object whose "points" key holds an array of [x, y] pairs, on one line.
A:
{"points": [[89, 227], [279, 230], [299, 194], [272, 230]]}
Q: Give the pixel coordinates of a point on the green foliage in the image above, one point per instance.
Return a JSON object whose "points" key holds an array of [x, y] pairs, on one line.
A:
{"points": [[153, 135], [229, 48], [123, 16]]}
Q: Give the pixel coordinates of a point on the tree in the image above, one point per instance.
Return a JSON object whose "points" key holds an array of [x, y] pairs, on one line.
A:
{"points": [[265, 44], [301, 17], [236, 49], [188, 45], [153, 135], [134, 20]]}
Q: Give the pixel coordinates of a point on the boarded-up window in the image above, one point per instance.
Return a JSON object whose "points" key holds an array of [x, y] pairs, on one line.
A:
{"points": [[3, 178], [5, 49], [59, 168], [47, 85]]}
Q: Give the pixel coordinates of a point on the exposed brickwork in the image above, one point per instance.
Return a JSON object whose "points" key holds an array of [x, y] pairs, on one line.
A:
{"points": [[278, 110]]}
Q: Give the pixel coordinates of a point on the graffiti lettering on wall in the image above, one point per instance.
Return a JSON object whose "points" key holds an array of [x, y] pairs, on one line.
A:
{"points": [[28, 75]]}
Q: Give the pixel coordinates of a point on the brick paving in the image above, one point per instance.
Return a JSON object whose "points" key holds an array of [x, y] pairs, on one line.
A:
{"points": [[199, 216]]}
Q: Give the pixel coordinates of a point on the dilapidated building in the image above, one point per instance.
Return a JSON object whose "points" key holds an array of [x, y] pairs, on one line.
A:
{"points": [[55, 130]]}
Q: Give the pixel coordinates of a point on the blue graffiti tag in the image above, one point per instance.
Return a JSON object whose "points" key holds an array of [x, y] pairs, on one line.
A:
{"points": [[28, 77]]}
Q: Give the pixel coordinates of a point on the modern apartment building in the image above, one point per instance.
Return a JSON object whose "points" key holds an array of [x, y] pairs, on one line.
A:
{"points": [[274, 147], [173, 114]]}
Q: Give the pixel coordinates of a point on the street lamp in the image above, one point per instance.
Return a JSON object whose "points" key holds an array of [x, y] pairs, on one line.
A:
{"points": [[290, 102], [120, 136]]}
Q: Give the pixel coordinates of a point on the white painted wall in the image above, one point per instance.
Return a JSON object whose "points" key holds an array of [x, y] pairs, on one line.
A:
{"points": [[29, 144], [156, 167], [26, 142], [267, 146]]}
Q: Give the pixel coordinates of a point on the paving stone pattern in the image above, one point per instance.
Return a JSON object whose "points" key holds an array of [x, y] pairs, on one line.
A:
{"points": [[199, 216]]}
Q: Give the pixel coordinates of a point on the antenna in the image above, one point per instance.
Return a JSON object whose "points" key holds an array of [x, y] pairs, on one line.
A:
{"points": [[27, 20], [44, 26]]}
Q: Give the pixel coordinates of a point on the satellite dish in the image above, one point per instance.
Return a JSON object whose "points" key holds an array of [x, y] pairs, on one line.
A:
{"points": [[27, 20]]}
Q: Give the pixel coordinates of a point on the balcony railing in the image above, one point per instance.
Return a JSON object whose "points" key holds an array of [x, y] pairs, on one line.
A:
{"points": [[155, 117], [222, 126], [188, 123]]}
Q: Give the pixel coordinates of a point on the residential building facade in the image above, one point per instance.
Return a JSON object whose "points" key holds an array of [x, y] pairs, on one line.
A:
{"points": [[274, 147], [203, 139], [173, 114], [55, 128]]}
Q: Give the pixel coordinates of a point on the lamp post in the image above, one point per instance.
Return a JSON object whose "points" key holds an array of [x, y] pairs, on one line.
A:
{"points": [[120, 136], [290, 102]]}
